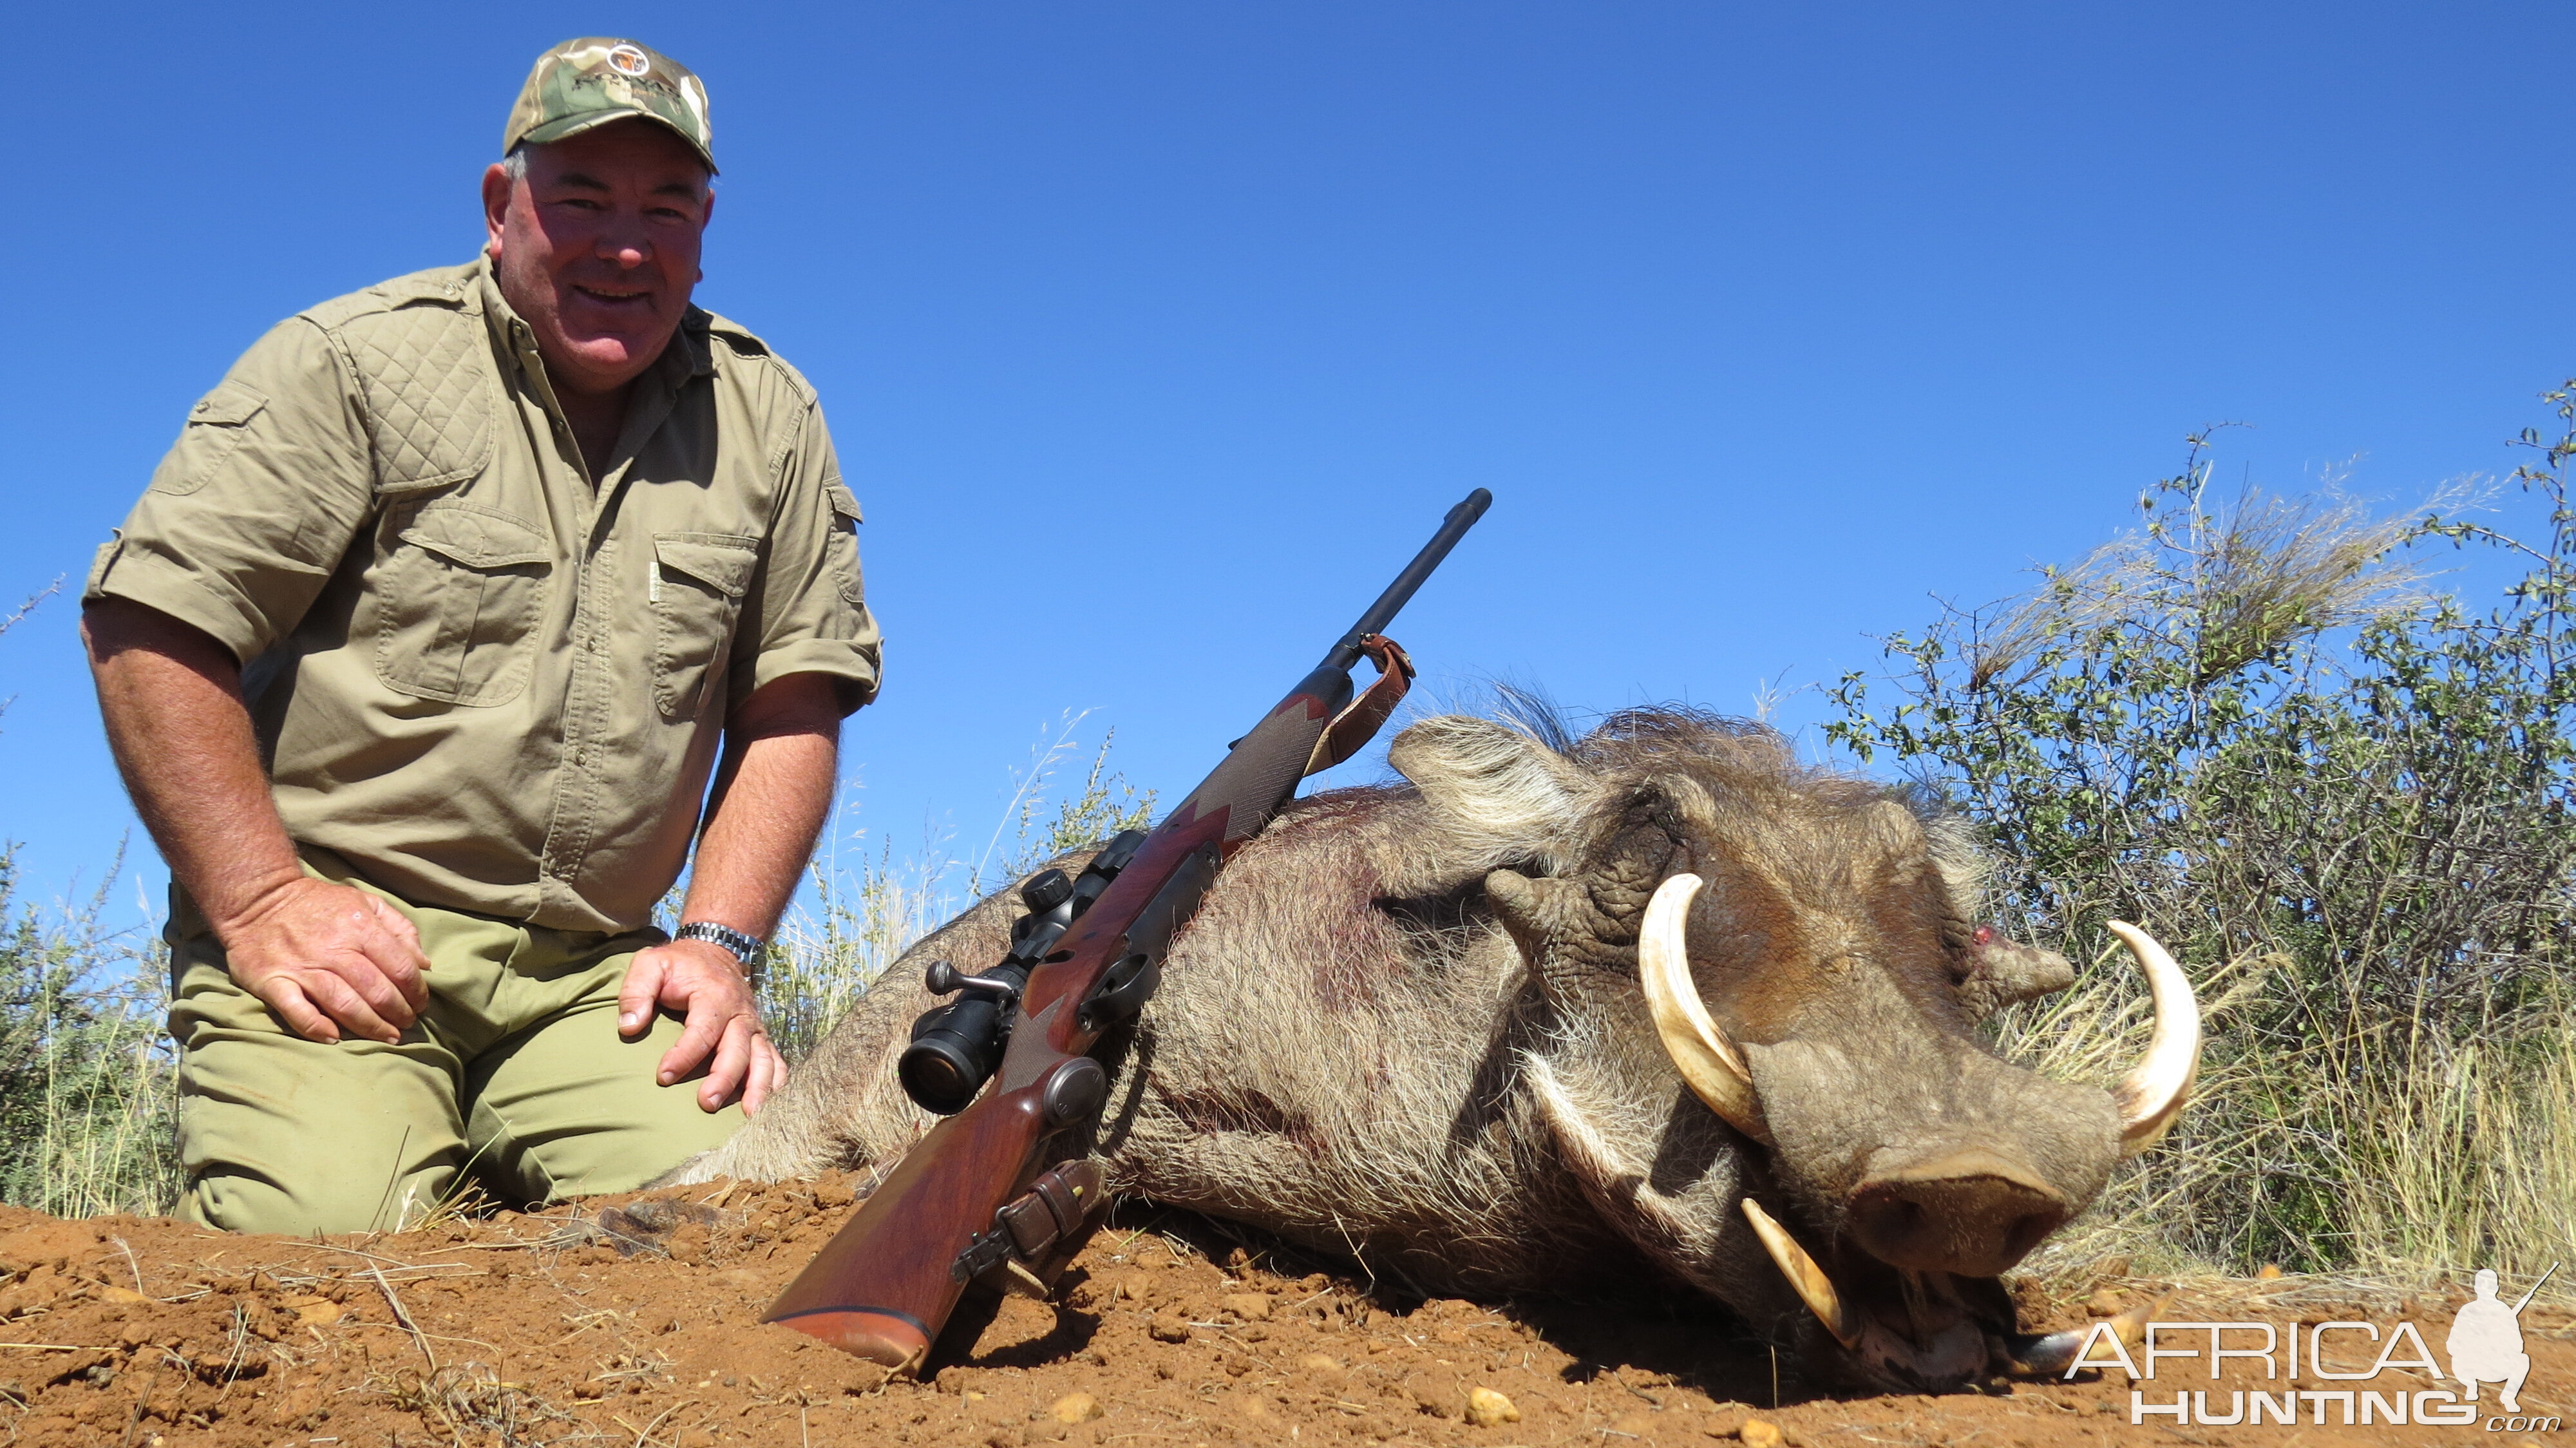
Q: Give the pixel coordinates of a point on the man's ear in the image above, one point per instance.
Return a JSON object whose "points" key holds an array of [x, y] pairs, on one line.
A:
{"points": [[496, 206]]}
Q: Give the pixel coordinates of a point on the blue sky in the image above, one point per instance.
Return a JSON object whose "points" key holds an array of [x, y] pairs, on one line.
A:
{"points": [[1155, 336]]}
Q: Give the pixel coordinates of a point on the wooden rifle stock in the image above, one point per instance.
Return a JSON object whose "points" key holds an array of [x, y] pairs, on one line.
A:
{"points": [[884, 1286]]}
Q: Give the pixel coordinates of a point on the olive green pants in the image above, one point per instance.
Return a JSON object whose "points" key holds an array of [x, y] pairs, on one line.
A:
{"points": [[515, 1074]]}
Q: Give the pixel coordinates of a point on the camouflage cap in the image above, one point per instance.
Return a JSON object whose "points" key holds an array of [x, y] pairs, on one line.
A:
{"points": [[598, 79]]}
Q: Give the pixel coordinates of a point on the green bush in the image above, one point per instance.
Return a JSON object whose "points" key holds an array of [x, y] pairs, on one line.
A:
{"points": [[88, 1095], [2344, 802]]}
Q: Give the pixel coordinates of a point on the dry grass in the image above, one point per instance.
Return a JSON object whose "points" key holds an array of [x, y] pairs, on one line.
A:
{"points": [[2440, 1173], [2265, 570], [2450, 1163]]}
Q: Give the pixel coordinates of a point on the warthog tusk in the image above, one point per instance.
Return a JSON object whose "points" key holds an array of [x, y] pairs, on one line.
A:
{"points": [[2152, 1094], [2055, 1352], [1708, 1061], [1814, 1288]]}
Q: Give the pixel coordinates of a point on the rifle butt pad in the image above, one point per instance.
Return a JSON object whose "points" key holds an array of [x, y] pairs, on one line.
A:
{"points": [[895, 1342]]}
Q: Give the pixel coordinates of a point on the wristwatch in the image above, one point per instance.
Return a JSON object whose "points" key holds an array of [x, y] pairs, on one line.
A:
{"points": [[745, 949]]}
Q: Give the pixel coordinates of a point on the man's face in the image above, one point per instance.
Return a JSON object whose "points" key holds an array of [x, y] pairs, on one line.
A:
{"points": [[596, 247]]}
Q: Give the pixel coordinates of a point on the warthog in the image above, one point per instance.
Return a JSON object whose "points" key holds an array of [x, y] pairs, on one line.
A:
{"points": [[1559, 1013]]}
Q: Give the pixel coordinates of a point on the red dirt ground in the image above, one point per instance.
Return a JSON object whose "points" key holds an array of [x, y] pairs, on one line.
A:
{"points": [[527, 1330]]}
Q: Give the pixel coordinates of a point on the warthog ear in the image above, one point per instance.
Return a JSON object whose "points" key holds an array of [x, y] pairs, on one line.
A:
{"points": [[2006, 972], [1507, 793]]}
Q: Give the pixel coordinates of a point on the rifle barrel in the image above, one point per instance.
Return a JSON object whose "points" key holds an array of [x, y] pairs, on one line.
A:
{"points": [[1383, 612], [2535, 1289]]}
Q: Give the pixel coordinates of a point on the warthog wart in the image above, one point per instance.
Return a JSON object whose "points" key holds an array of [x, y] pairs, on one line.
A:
{"points": [[1552, 1007]]}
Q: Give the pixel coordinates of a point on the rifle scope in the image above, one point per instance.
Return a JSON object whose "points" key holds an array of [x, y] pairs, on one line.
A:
{"points": [[957, 1047]]}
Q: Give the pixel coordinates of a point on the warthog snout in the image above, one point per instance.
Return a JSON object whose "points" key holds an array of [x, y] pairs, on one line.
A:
{"points": [[1973, 1212]]}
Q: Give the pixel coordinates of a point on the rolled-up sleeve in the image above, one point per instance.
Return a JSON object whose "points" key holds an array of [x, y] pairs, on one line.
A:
{"points": [[252, 508], [808, 612]]}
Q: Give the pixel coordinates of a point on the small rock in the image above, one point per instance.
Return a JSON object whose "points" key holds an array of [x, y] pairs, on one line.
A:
{"points": [[832, 1192], [1315, 1362], [1169, 1327], [1250, 1306], [315, 1311], [1076, 1408], [2105, 1302], [1487, 1408], [1757, 1433]]}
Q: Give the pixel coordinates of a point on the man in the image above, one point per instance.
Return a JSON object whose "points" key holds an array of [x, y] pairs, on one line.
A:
{"points": [[417, 656]]}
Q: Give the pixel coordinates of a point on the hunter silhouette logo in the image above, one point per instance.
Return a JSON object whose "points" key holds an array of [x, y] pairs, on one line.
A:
{"points": [[2486, 1341], [2484, 1346]]}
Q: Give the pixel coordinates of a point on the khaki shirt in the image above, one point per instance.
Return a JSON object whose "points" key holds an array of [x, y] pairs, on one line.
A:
{"points": [[484, 682]]}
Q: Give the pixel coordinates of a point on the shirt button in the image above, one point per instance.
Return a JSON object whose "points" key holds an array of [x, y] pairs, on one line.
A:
{"points": [[201, 407]]}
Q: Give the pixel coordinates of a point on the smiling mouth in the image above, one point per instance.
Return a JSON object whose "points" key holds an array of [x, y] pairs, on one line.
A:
{"points": [[612, 297]]}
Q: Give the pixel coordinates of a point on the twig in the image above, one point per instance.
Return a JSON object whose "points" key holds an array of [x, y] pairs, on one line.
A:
{"points": [[394, 1262], [432, 1336], [142, 1400], [404, 1317], [644, 1434], [131, 1263]]}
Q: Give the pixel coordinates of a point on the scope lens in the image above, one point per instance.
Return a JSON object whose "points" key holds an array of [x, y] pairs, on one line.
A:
{"points": [[939, 1074]]}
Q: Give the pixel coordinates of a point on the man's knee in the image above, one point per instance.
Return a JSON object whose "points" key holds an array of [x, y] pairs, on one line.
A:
{"points": [[280, 1134], [324, 1204], [574, 1109]]}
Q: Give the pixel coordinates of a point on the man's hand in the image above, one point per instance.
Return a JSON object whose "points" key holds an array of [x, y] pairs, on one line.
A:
{"points": [[329, 959], [719, 1017]]}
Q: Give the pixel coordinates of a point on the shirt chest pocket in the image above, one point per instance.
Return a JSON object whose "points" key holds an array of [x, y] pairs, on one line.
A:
{"points": [[457, 598], [695, 593]]}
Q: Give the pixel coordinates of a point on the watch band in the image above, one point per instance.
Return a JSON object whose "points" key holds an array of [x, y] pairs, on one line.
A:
{"points": [[745, 949]]}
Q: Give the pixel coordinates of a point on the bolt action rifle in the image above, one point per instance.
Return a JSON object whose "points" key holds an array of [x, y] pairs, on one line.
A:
{"points": [[1003, 1192]]}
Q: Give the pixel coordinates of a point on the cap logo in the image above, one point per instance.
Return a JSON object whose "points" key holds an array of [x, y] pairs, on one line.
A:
{"points": [[628, 60]]}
